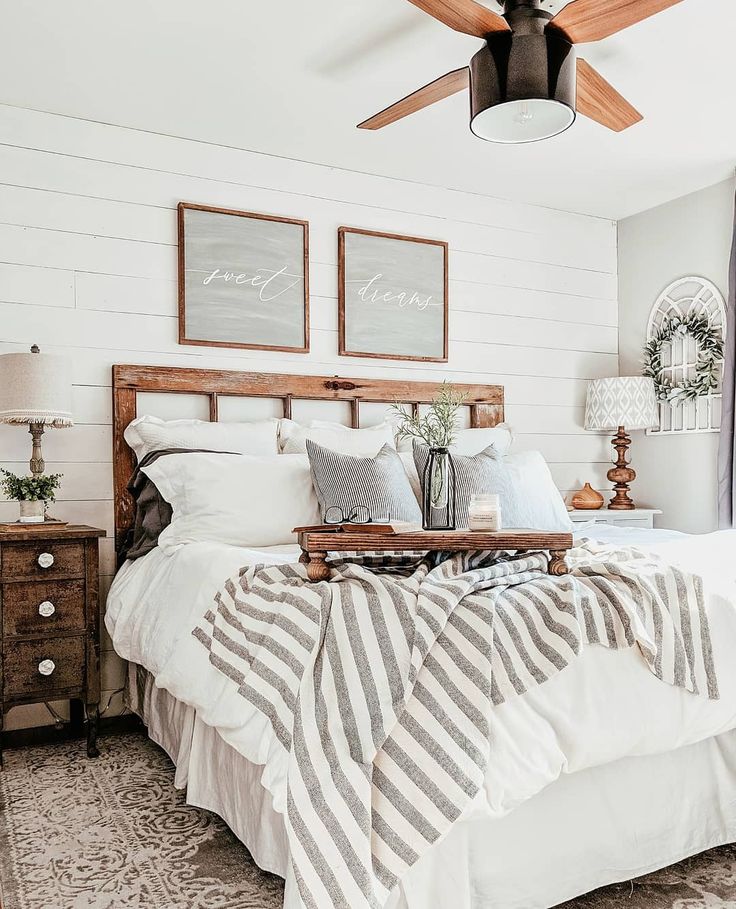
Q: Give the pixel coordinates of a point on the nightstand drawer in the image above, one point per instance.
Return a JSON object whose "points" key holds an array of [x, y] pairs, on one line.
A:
{"points": [[49, 619], [43, 607], [642, 518], [43, 667], [46, 559]]}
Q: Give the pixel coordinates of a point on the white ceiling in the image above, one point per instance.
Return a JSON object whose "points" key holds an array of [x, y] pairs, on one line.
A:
{"points": [[292, 78]]}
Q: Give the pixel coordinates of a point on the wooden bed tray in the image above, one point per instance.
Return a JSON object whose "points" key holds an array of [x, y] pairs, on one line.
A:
{"points": [[486, 404], [315, 545]]}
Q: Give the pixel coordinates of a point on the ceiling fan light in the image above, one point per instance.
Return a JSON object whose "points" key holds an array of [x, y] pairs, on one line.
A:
{"points": [[522, 88], [516, 122]]}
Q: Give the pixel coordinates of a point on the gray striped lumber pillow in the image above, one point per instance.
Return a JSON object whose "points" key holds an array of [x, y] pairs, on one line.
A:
{"points": [[523, 482], [380, 484]]}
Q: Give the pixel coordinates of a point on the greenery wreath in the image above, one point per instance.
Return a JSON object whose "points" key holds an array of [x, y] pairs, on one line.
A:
{"points": [[708, 367]]}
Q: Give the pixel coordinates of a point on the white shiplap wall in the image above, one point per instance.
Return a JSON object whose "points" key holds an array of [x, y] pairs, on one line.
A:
{"points": [[88, 268]]}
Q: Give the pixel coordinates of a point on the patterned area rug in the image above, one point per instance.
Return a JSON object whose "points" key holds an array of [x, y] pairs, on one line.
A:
{"points": [[706, 881], [115, 834]]}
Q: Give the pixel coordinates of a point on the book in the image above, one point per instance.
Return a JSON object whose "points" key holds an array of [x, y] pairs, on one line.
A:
{"points": [[49, 523], [371, 527]]}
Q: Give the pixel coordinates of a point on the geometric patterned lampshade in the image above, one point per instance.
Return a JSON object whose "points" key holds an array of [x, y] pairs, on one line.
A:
{"points": [[628, 401]]}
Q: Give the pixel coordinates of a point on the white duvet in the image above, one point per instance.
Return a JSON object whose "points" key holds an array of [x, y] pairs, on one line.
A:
{"points": [[605, 706]]}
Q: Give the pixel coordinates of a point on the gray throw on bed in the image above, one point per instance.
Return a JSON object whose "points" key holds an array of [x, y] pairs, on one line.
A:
{"points": [[379, 685]]}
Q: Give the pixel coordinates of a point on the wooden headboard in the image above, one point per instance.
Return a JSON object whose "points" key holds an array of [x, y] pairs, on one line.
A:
{"points": [[485, 403]]}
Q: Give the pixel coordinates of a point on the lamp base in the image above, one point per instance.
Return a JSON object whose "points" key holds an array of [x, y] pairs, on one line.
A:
{"points": [[621, 474], [622, 501], [37, 463]]}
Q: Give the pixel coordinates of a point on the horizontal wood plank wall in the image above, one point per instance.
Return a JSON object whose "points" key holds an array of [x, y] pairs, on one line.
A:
{"points": [[88, 268]]}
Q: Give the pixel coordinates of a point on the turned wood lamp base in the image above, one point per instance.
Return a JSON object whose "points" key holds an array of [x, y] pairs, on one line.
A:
{"points": [[37, 464], [621, 474]]}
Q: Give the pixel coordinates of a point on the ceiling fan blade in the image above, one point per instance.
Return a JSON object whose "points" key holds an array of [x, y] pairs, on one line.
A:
{"points": [[592, 20], [465, 16], [601, 102], [446, 85]]}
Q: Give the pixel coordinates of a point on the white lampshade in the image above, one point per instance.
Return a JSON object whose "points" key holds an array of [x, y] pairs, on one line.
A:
{"points": [[35, 388], [628, 401]]}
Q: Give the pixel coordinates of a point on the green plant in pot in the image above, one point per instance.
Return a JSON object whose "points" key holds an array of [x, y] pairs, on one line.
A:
{"points": [[436, 428], [31, 493]]}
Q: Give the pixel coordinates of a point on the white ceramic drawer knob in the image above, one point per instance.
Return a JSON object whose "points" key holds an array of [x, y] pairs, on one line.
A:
{"points": [[45, 560], [46, 609], [46, 667]]}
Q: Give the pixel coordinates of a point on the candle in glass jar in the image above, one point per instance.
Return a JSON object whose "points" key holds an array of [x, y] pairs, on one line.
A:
{"points": [[484, 513]]}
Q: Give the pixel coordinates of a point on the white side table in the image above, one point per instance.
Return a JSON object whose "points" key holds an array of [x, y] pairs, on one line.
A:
{"points": [[638, 517]]}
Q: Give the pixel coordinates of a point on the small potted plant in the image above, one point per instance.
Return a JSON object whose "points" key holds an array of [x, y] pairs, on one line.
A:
{"points": [[436, 428], [31, 493]]}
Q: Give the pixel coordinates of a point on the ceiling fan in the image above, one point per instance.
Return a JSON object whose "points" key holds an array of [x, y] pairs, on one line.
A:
{"points": [[526, 82]]}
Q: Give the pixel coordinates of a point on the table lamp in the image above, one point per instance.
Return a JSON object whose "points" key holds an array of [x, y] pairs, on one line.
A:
{"points": [[621, 403], [35, 390]]}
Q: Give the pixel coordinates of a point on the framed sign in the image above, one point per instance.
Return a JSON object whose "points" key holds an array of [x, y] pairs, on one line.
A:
{"points": [[392, 296], [243, 279]]}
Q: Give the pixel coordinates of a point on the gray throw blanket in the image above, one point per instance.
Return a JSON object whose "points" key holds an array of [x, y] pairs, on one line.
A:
{"points": [[379, 685]]}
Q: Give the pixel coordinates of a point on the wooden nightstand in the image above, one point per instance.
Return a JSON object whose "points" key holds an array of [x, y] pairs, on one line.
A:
{"points": [[49, 619], [638, 517]]}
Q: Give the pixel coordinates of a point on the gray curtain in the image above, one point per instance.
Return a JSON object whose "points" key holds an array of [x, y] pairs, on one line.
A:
{"points": [[726, 452]]}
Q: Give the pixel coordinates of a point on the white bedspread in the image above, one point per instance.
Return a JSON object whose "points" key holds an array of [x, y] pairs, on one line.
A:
{"points": [[604, 706]]}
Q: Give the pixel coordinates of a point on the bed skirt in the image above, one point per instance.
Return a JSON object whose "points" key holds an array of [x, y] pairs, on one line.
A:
{"points": [[588, 829]]}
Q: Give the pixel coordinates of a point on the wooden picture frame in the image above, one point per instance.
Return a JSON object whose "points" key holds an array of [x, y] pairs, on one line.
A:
{"points": [[241, 289], [393, 303]]}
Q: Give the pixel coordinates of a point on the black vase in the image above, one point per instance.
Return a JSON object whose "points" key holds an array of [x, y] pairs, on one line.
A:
{"points": [[438, 491]]}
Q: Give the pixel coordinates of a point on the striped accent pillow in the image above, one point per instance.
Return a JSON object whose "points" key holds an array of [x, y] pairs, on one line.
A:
{"points": [[528, 496], [380, 484]]}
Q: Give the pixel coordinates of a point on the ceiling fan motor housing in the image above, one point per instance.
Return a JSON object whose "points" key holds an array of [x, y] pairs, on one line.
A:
{"points": [[527, 64]]}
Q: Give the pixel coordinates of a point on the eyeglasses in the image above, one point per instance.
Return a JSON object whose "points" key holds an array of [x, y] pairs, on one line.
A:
{"points": [[355, 514]]}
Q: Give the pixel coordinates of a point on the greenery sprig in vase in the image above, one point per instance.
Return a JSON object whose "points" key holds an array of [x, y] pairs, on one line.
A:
{"points": [[33, 493], [437, 429], [438, 426]]}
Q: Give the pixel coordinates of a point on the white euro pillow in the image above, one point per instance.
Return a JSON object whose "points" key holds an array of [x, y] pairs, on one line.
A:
{"points": [[473, 441], [147, 434], [240, 500], [361, 443]]}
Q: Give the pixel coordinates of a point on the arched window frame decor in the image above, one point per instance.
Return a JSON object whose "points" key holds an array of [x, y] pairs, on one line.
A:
{"points": [[683, 297]]}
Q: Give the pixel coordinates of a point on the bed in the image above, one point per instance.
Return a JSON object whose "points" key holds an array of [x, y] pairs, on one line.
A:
{"points": [[588, 803]]}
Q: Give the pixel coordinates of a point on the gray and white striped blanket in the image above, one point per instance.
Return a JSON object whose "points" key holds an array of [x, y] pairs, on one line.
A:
{"points": [[379, 685]]}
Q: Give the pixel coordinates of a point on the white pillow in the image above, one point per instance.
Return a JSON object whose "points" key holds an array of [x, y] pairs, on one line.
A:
{"points": [[148, 434], [473, 441], [529, 497], [241, 500], [361, 443], [407, 459]]}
